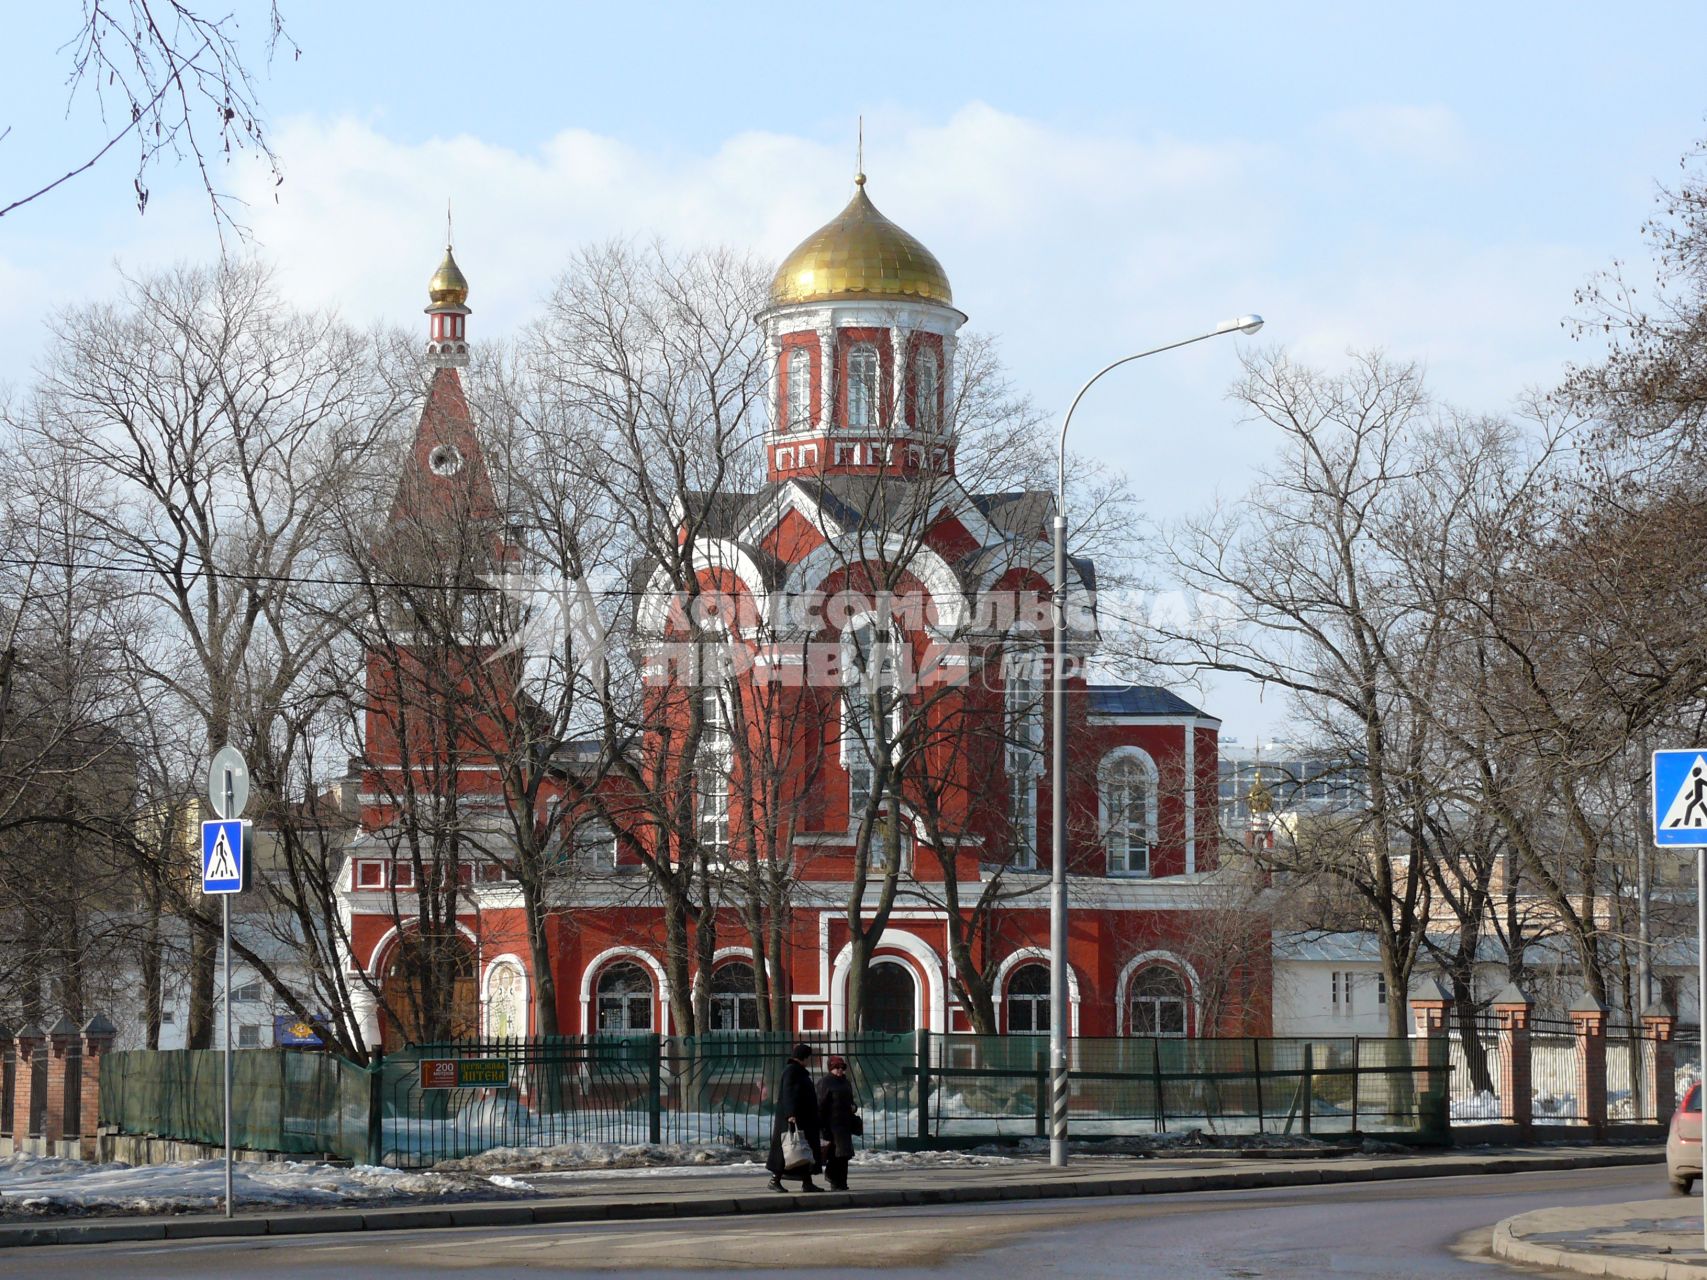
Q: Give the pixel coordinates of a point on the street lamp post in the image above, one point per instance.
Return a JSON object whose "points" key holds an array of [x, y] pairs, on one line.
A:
{"points": [[1058, 759]]}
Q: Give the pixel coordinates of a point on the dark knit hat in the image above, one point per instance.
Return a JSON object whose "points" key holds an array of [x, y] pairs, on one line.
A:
{"points": [[802, 1051]]}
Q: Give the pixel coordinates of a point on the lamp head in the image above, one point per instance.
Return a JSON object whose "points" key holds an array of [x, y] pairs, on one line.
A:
{"points": [[1244, 324]]}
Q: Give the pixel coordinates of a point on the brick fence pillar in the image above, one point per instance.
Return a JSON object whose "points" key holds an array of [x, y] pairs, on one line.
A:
{"points": [[1428, 1008], [98, 1035], [62, 1042], [1512, 1010], [29, 1040], [1588, 1016], [1659, 1060]]}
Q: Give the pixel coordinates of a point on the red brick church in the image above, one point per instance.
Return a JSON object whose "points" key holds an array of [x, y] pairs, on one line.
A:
{"points": [[887, 617]]}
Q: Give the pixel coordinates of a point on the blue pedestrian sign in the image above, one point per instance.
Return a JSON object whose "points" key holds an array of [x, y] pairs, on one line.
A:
{"points": [[224, 848], [1680, 797]]}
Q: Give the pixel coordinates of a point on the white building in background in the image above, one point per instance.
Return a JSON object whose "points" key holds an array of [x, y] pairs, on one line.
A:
{"points": [[1333, 984], [256, 1010]]}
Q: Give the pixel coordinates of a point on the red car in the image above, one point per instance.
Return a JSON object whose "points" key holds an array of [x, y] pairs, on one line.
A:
{"points": [[1683, 1143]]}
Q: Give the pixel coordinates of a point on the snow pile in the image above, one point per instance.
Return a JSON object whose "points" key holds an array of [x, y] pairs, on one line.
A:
{"points": [[599, 1156], [1483, 1106], [35, 1185], [929, 1160]]}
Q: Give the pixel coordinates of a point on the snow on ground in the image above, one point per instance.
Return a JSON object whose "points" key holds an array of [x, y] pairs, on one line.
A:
{"points": [[595, 1160], [35, 1185]]}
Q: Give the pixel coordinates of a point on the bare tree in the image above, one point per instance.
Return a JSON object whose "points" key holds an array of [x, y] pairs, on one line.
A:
{"points": [[172, 82]]}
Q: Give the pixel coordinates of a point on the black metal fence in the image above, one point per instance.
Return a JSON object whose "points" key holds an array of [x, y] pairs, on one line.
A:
{"points": [[914, 1089]]}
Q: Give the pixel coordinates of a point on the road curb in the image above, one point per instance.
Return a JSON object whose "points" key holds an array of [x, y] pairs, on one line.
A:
{"points": [[1510, 1245], [548, 1212]]}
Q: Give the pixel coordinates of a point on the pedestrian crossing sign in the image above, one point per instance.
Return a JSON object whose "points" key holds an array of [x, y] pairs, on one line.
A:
{"points": [[1680, 797], [225, 854]]}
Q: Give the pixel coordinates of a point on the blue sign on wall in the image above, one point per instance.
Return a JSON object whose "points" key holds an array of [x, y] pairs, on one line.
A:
{"points": [[298, 1033], [1680, 797]]}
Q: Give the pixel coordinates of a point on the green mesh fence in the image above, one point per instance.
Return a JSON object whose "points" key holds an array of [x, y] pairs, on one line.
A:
{"points": [[914, 1089], [998, 1085], [629, 1089], [296, 1103]]}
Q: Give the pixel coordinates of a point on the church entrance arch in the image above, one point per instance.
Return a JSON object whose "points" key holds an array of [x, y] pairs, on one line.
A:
{"points": [[428, 992]]}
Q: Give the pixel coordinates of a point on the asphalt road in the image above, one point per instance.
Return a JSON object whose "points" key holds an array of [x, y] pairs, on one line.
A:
{"points": [[1417, 1228]]}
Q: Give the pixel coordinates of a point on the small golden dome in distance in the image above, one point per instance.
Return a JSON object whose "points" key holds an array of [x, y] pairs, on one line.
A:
{"points": [[860, 255], [448, 287]]}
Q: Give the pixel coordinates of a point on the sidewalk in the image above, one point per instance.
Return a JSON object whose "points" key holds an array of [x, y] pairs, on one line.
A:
{"points": [[572, 1197], [1643, 1240]]}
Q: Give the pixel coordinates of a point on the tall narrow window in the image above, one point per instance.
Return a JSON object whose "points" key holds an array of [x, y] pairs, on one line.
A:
{"points": [[799, 389], [927, 391], [871, 708], [593, 846], [711, 771], [862, 385], [1129, 814], [1023, 695]]}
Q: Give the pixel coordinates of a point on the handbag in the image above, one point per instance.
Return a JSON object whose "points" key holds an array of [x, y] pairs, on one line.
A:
{"points": [[856, 1126], [796, 1151]]}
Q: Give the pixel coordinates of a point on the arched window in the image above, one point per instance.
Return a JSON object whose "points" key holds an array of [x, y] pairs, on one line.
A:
{"points": [[1028, 1001], [1128, 809], [625, 998], [871, 706], [1158, 1000], [734, 1005], [593, 846], [799, 373], [927, 390], [862, 385]]}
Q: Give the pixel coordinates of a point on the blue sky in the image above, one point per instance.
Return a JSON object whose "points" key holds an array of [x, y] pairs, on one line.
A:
{"points": [[1435, 180]]}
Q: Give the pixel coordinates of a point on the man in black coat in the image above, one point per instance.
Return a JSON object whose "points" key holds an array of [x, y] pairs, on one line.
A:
{"points": [[796, 1105]]}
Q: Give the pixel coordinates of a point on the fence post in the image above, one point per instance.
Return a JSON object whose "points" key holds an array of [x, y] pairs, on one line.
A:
{"points": [[1588, 1017], [1308, 1087], [1659, 1070], [376, 1110], [1256, 1074], [98, 1035], [1042, 1116], [1512, 1008], [1156, 1083], [1429, 1011], [655, 1092], [29, 1039], [1356, 1075], [924, 1084], [62, 1039]]}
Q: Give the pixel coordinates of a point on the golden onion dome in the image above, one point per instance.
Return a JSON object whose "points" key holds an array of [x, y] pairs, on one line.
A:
{"points": [[448, 287], [857, 255]]}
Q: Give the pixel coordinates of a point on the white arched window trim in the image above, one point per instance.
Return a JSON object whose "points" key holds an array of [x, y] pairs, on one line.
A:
{"points": [[1034, 955], [611, 955], [1172, 960], [933, 1009], [1105, 818]]}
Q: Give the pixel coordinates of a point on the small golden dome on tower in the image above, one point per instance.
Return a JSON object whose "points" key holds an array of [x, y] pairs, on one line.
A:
{"points": [[448, 287], [860, 255]]}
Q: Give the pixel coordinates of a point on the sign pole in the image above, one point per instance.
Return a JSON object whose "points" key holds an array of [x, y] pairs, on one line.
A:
{"points": [[225, 932], [1701, 991]]}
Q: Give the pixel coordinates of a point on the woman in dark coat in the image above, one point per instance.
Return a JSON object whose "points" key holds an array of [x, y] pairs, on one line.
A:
{"points": [[797, 1103], [836, 1109]]}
